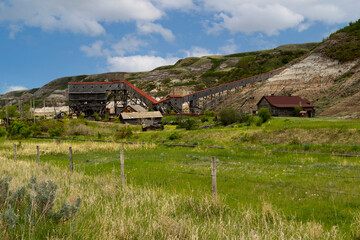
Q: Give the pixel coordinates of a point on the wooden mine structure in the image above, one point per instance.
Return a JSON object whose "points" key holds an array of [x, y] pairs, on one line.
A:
{"points": [[91, 97]]}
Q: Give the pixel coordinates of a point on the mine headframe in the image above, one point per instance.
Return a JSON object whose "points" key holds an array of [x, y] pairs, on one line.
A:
{"points": [[91, 97]]}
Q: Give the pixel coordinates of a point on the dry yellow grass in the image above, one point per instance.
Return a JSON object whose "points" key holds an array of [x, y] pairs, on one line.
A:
{"points": [[52, 148]]}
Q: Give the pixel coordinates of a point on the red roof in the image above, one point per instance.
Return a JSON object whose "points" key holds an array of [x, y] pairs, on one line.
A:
{"points": [[287, 101]]}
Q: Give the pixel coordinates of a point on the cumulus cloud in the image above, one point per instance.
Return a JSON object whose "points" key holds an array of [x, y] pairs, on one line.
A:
{"points": [[128, 44], [250, 16], [138, 63], [95, 50], [80, 16], [197, 52], [147, 28], [13, 88], [175, 4]]}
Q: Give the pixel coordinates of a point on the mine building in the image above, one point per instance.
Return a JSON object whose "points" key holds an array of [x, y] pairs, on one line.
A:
{"points": [[141, 118], [283, 106], [99, 97], [133, 108]]}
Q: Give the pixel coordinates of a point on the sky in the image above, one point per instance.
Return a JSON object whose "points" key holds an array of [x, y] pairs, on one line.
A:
{"points": [[41, 40]]}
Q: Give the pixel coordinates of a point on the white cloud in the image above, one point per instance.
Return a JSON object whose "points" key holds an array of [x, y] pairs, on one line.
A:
{"points": [[175, 4], [138, 63], [250, 16], [80, 16], [13, 88], [14, 28], [229, 48], [128, 44], [95, 50], [147, 28], [197, 52], [269, 19]]}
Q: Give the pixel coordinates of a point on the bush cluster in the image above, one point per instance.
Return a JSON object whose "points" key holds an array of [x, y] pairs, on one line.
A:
{"points": [[124, 132], [30, 208], [2, 132], [264, 114], [19, 129], [174, 136], [229, 116], [188, 123]]}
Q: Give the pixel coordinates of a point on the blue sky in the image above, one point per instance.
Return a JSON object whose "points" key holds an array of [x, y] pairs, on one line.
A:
{"points": [[41, 40]]}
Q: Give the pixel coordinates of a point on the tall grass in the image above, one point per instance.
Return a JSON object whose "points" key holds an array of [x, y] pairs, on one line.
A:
{"points": [[111, 211]]}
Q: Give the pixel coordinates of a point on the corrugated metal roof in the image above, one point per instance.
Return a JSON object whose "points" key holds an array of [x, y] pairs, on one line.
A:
{"points": [[138, 108], [140, 115], [287, 101]]}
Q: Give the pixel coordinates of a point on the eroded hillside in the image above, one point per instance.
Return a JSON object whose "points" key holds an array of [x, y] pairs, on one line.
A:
{"points": [[327, 76]]}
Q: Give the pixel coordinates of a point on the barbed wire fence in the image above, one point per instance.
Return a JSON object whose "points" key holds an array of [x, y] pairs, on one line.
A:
{"points": [[214, 178]]}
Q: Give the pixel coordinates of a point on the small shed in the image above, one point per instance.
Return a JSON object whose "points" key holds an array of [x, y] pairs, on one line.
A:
{"points": [[283, 106], [143, 118], [133, 108]]}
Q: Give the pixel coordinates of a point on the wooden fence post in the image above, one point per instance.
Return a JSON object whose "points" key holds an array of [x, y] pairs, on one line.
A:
{"points": [[213, 179], [71, 159], [15, 152], [122, 167], [38, 155]]}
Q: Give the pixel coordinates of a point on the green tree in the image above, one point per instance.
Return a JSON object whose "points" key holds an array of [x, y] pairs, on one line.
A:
{"points": [[12, 111]]}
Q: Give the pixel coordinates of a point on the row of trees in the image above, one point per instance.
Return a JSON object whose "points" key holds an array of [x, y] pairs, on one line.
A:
{"points": [[13, 111]]}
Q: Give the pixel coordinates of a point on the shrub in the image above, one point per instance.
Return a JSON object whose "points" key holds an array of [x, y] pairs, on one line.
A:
{"points": [[188, 124], [248, 119], [258, 121], [264, 114], [29, 208], [96, 116], [55, 132], [209, 113], [228, 116], [204, 119], [174, 136], [124, 132], [19, 129], [2, 132], [36, 129]]}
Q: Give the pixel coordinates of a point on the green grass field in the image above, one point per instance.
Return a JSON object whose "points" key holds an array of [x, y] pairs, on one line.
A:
{"points": [[308, 186]]}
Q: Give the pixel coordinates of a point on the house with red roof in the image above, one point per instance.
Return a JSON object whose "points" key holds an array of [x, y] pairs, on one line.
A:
{"points": [[284, 106]]}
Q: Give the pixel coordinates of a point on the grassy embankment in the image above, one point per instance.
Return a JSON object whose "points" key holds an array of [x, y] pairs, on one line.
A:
{"points": [[262, 193]]}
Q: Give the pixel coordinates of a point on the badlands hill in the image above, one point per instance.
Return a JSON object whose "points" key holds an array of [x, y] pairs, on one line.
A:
{"points": [[329, 76]]}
